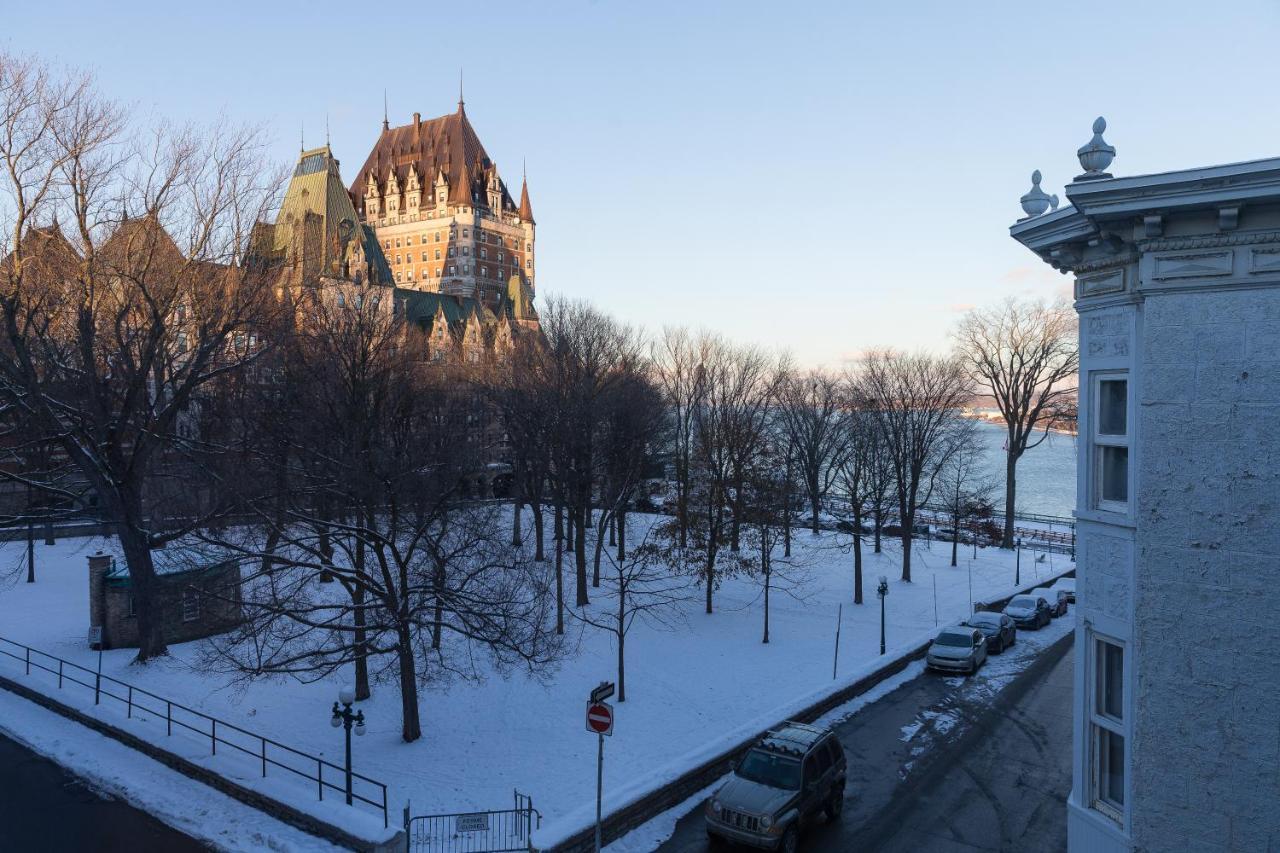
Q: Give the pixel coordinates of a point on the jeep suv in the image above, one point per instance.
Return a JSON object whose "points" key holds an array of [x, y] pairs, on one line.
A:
{"points": [[782, 784]]}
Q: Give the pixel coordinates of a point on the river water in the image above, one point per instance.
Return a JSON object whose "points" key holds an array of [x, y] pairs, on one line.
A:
{"points": [[1046, 474]]}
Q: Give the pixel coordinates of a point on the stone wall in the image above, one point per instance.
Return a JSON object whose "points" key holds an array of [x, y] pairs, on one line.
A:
{"points": [[1208, 497], [110, 602]]}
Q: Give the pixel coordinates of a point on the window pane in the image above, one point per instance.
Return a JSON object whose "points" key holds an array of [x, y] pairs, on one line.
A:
{"points": [[1112, 414], [1115, 474], [1110, 766], [1110, 664]]}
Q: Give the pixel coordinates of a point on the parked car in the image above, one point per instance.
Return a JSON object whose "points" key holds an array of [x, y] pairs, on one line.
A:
{"points": [[780, 786], [1057, 599], [1028, 611], [1068, 585], [999, 630], [958, 649]]}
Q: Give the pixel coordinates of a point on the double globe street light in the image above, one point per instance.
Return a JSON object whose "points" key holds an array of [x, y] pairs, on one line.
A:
{"points": [[347, 718]]}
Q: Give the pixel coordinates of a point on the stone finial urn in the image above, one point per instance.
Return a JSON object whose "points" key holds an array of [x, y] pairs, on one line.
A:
{"points": [[1036, 201], [1096, 155]]}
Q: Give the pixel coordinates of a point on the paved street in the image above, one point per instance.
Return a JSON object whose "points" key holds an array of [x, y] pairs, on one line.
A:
{"points": [[46, 809], [953, 765]]}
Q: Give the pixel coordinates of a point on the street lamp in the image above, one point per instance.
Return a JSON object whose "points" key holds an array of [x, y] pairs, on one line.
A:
{"points": [[882, 590], [1017, 570], [345, 717]]}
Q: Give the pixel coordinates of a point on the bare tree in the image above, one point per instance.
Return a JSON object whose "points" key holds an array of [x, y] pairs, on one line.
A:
{"points": [[810, 409], [1025, 354], [677, 358], [144, 302], [640, 586], [914, 400], [962, 481]]}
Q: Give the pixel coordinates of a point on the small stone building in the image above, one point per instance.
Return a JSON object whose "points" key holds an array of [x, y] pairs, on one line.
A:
{"points": [[194, 601]]}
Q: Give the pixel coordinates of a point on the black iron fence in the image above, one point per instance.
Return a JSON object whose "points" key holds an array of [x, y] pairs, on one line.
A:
{"points": [[145, 706], [503, 831]]}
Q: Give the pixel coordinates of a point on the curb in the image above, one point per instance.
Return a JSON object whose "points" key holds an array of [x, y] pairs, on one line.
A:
{"points": [[285, 813]]}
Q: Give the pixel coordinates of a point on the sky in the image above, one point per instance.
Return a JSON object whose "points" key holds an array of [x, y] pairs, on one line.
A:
{"points": [[822, 178]]}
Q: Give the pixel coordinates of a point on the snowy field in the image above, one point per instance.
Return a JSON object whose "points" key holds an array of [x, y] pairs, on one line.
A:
{"points": [[692, 683]]}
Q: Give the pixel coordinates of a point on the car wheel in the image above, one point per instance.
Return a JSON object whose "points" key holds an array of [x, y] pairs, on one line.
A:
{"points": [[835, 804], [791, 840]]}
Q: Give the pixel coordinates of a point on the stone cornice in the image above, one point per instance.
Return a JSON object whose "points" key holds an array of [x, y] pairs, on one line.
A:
{"points": [[1208, 241]]}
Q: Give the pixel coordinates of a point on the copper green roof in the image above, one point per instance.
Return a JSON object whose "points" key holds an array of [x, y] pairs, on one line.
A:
{"points": [[316, 187]]}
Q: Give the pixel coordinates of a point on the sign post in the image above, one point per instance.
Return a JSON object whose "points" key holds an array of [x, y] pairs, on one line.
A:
{"points": [[600, 721]]}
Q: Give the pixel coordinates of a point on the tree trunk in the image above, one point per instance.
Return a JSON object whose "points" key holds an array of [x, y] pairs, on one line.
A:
{"points": [[857, 556], [786, 524], [879, 526], [764, 565], [142, 580], [538, 554], [559, 527], [955, 530], [516, 536], [580, 554], [622, 535], [613, 532], [595, 569], [411, 725], [814, 508], [437, 619], [622, 637], [1010, 492], [358, 619]]}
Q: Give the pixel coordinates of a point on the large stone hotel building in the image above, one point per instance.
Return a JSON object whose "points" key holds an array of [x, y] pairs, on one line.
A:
{"points": [[442, 212]]}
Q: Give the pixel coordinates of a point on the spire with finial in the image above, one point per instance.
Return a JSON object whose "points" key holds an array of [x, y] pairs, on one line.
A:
{"points": [[386, 125], [1036, 201], [526, 209], [302, 135], [461, 103], [1096, 155], [326, 130]]}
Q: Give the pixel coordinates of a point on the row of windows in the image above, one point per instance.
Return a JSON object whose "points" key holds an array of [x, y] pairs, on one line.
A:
{"points": [[410, 273], [482, 236]]}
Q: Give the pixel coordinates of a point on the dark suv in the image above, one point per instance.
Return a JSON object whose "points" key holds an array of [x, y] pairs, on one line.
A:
{"points": [[783, 782]]}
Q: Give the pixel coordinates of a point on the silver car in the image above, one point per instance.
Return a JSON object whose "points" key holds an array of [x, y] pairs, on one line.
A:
{"points": [[958, 649]]}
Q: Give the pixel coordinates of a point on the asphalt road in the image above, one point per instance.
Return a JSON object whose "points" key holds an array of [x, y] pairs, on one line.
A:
{"points": [[46, 809], [953, 765]]}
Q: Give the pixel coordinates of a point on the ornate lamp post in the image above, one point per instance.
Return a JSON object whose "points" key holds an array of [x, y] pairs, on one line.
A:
{"points": [[345, 718], [882, 590]]}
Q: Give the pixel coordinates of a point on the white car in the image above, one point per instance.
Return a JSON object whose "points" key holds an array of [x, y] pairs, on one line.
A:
{"points": [[958, 649], [1067, 585]]}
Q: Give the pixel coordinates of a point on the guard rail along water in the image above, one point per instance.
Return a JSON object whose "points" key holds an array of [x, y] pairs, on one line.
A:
{"points": [[140, 704]]}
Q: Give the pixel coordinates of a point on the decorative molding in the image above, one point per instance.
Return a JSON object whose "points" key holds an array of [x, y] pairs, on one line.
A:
{"points": [[1109, 282], [1228, 218], [1209, 241], [1098, 264], [1199, 265], [1264, 260], [1152, 226]]}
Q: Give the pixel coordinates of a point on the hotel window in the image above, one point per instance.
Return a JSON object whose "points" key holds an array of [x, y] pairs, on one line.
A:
{"points": [[398, 259], [190, 605], [453, 269], [484, 270], [437, 272], [466, 250], [452, 249], [437, 236], [437, 254], [424, 254], [1106, 730], [466, 232], [397, 242], [484, 253], [1111, 441]]}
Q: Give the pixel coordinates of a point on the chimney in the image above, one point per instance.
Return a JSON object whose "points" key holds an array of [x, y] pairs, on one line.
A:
{"points": [[99, 564], [417, 120]]}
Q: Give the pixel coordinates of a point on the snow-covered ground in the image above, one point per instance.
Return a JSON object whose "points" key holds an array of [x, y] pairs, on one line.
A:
{"points": [[692, 684]]}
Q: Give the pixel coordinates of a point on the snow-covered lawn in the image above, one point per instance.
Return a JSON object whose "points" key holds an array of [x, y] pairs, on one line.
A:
{"points": [[689, 683]]}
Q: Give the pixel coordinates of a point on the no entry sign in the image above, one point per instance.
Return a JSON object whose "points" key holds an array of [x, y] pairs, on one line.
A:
{"points": [[600, 718]]}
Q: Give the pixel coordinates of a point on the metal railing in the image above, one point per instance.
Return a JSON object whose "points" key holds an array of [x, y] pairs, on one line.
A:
{"points": [[502, 831], [143, 705]]}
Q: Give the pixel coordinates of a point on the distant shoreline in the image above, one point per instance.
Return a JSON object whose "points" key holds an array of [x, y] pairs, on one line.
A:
{"points": [[1000, 422]]}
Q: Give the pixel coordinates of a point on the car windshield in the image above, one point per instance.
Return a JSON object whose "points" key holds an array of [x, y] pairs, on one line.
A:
{"points": [[951, 638], [769, 769], [1028, 603], [984, 620]]}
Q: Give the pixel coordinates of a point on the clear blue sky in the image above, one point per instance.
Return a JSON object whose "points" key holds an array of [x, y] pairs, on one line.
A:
{"points": [[819, 177]]}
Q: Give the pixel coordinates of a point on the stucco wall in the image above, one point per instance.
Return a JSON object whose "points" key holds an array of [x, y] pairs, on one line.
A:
{"points": [[1207, 694]]}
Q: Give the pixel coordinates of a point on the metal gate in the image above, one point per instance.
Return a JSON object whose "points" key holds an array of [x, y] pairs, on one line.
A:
{"points": [[504, 831]]}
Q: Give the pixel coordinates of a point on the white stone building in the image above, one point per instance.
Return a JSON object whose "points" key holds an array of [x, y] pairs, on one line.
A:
{"points": [[1177, 691]]}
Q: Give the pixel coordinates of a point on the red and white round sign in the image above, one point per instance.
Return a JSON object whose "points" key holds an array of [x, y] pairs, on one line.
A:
{"points": [[599, 718]]}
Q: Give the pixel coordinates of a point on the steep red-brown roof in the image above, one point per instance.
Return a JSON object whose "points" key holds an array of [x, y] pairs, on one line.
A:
{"points": [[447, 144], [526, 209]]}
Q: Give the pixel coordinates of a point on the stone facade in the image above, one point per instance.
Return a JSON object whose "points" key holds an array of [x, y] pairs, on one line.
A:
{"points": [[193, 603], [442, 212], [1178, 293]]}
